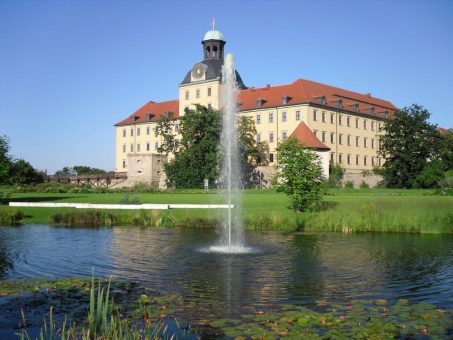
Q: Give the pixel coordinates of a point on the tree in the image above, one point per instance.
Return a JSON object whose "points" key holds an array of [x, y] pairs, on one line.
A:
{"points": [[195, 154], [22, 172], [300, 176], [79, 170], [5, 159], [410, 146], [446, 151], [196, 151]]}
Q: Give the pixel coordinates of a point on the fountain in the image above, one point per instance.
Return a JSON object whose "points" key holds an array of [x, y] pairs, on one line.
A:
{"points": [[232, 239]]}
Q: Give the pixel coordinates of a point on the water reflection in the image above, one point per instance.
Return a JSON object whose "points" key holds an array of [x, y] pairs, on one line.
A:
{"points": [[297, 268]]}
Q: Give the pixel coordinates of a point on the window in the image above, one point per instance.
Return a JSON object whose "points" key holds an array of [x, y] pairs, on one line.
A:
{"points": [[365, 140], [357, 141], [138, 131], [284, 135], [364, 160], [357, 123], [332, 118], [314, 115], [323, 116], [209, 92], [258, 119], [156, 146], [372, 161], [147, 130], [132, 132], [258, 137], [297, 115], [124, 147], [315, 132], [356, 159], [197, 93], [124, 132], [340, 139], [271, 137], [284, 116], [339, 119], [187, 95], [284, 100], [379, 161], [364, 124], [132, 147], [271, 117], [372, 125], [147, 146], [138, 147], [259, 102], [349, 159], [372, 143], [323, 136], [340, 158], [332, 157], [209, 105], [348, 121], [271, 158], [124, 164], [332, 138], [349, 140]]}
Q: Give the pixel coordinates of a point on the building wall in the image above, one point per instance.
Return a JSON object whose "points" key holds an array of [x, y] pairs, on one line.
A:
{"points": [[198, 93]]}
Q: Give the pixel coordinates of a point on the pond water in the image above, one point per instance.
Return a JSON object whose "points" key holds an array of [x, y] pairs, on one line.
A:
{"points": [[282, 269]]}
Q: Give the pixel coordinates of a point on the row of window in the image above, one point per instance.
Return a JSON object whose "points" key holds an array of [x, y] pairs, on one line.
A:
{"points": [[348, 159], [348, 139], [341, 120], [148, 131], [138, 148], [197, 93], [284, 117]]}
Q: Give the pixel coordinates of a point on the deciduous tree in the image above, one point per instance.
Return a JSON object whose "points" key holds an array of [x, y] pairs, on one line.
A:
{"points": [[300, 175], [411, 148]]}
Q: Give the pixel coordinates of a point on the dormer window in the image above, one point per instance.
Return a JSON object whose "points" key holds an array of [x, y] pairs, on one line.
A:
{"points": [[259, 102], [149, 116], [321, 100], [355, 107], [134, 119], [167, 114], [285, 100], [386, 114]]}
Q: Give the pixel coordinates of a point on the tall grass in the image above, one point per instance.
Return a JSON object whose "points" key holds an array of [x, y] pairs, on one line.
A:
{"points": [[103, 321]]}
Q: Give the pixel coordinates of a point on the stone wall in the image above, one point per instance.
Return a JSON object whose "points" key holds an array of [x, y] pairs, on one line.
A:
{"points": [[357, 177]]}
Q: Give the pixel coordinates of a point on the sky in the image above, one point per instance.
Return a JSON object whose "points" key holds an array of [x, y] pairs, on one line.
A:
{"points": [[70, 70]]}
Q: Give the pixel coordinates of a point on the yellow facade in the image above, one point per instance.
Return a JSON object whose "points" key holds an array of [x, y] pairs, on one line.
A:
{"points": [[353, 137]]}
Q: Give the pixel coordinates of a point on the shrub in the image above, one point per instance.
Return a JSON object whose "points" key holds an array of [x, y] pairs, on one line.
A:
{"points": [[349, 185], [335, 176], [364, 185]]}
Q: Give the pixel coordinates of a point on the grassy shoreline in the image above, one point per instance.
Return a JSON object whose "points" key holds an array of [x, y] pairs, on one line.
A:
{"points": [[343, 210]]}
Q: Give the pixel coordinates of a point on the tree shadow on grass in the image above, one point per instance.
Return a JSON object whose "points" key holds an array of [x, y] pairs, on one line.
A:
{"points": [[38, 199]]}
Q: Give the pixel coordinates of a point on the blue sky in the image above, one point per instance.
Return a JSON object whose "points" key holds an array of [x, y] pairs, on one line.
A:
{"points": [[70, 70]]}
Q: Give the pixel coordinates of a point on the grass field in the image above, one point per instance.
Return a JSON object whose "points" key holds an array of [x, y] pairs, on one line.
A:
{"points": [[345, 210]]}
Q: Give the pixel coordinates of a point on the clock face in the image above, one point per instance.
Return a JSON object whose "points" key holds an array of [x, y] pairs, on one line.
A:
{"points": [[198, 71]]}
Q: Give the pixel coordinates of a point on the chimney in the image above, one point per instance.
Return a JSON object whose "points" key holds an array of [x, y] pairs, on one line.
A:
{"points": [[268, 86], [368, 95]]}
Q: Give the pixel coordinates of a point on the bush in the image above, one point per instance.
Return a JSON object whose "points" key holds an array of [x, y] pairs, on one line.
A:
{"points": [[349, 185], [364, 185], [335, 176], [10, 217]]}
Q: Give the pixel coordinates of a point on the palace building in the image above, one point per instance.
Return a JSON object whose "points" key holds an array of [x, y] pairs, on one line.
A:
{"points": [[342, 126]]}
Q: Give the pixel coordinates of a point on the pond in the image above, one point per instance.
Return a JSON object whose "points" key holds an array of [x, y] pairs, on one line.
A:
{"points": [[299, 269]]}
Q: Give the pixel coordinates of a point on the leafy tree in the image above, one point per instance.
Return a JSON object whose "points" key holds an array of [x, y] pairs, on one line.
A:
{"points": [[79, 170], [411, 147], [196, 151], [446, 151], [5, 159], [22, 172], [300, 176], [195, 155], [251, 153]]}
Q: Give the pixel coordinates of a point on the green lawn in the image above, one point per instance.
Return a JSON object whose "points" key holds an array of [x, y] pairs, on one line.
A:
{"points": [[343, 209]]}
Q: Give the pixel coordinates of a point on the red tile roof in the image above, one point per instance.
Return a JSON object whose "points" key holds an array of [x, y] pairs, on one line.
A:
{"points": [[442, 131], [157, 110], [305, 91], [305, 136]]}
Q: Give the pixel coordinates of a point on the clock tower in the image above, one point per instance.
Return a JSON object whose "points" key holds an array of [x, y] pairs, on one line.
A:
{"points": [[202, 83]]}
